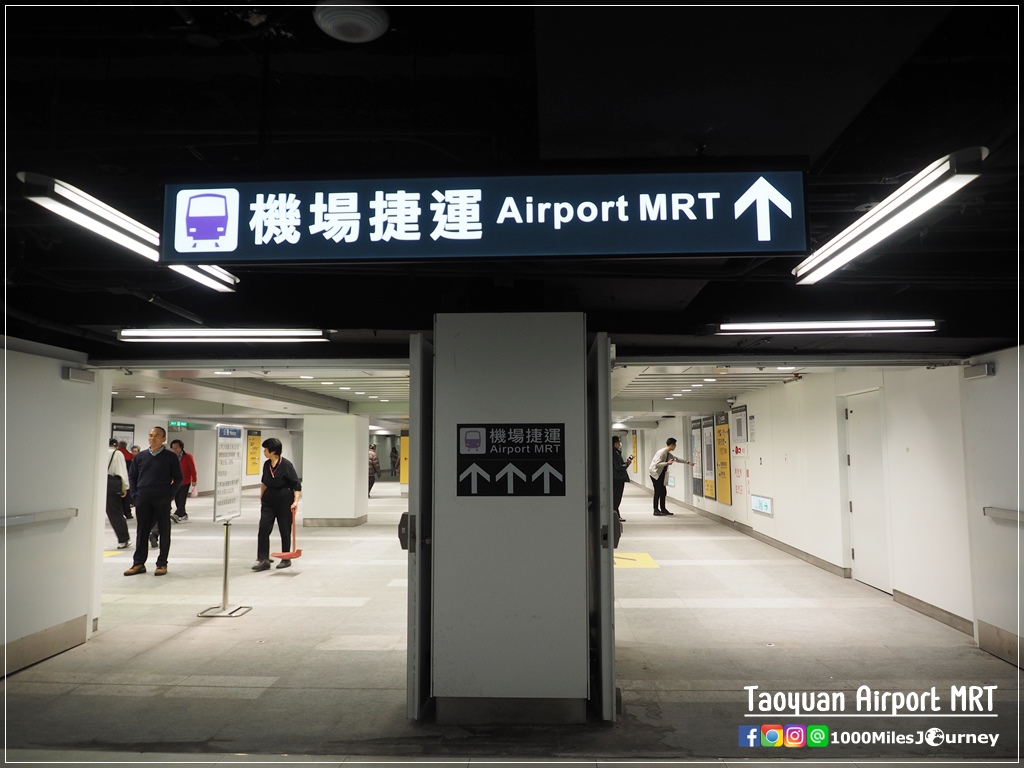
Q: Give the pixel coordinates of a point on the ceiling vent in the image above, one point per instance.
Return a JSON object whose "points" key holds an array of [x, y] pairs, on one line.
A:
{"points": [[349, 22]]}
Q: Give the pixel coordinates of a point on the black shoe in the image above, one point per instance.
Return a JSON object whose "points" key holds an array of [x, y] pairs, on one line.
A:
{"points": [[175, 518], [660, 514], [262, 565], [154, 540], [666, 512], [285, 564], [129, 516]]}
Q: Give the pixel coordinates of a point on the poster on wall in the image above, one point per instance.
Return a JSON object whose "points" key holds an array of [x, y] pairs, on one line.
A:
{"points": [[696, 452], [723, 481], [252, 451], [707, 429], [739, 424], [123, 433]]}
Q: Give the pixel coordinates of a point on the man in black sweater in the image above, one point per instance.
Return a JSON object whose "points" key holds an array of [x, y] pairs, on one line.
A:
{"points": [[152, 477]]}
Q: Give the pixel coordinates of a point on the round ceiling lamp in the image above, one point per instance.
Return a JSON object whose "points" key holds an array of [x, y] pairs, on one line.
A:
{"points": [[350, 23]]}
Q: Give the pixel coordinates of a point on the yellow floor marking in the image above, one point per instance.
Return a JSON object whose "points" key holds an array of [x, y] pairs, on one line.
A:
{"points": [[634, 560]]}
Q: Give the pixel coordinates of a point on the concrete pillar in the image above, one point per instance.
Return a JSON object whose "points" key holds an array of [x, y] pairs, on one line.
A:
{"points": [[334, 471]]}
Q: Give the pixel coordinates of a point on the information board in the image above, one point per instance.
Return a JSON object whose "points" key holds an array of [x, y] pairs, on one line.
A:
{"points": [[227, 497]]}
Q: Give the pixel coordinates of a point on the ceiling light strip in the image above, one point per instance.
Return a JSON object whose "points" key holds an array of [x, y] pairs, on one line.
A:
{"points": [[827, 326], [191, 335]]}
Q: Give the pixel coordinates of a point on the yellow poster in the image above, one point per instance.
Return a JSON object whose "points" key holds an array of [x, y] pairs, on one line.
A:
{"points": [[633, 452], [252, 452], [403, 459], [722, 459]]}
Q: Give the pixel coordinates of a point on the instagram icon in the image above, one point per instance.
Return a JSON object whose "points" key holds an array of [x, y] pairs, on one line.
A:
{"points": [[795, 736]]}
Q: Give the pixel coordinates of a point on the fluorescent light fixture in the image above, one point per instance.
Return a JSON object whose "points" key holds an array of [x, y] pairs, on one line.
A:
{"points": [[923, 192], [827, 326], [618, 425], [199, 277], [248, 335], [220, 273], [86, 211]]}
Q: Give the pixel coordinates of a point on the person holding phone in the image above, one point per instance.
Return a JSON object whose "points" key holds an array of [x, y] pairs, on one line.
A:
{"points": [[619, 474]]}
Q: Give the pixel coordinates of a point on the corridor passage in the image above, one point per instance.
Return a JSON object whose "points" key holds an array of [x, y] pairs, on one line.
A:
{"points": [[316, 670]]}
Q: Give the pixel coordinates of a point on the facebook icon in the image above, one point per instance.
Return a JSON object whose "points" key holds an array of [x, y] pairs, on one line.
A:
{"points": [[750, 736]]}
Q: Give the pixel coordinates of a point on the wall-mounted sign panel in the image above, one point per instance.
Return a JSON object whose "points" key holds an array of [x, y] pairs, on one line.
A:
{"points": [[443, 218], [762, 504], [708, 453], [511, 460], [697, 454]]}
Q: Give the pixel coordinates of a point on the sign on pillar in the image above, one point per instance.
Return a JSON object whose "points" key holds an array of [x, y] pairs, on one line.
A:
{"points": [[511, 460]]}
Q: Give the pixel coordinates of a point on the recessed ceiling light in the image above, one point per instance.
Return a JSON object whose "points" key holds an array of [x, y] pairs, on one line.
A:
{"points": [[305, 377], [696, 385], [785, 368], [385, 401], [686, 390], [115, 393], [327, 383], [710, 379], [670, 398], [373, 397], [222, 373], [140, 397], [360, 393], [344, 387]]}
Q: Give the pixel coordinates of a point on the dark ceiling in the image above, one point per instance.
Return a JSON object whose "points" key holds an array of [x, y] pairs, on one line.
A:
{"points": [[120, 100]]}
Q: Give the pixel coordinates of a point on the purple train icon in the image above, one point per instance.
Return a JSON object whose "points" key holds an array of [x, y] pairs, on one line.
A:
{"points": [[206, 217]]}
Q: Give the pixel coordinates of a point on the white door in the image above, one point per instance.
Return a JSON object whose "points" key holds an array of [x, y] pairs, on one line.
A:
{"points": [[869, 521]]}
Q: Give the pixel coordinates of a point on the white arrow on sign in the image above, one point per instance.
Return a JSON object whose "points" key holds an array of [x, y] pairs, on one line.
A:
{"points": [[473, 473], [547, 470], [762, 193], [510, 470]]}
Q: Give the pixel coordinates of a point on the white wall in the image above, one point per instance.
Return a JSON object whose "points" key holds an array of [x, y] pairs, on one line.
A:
{"points": [[56, 432], [926, 487], [335, 479], [991, 427]]}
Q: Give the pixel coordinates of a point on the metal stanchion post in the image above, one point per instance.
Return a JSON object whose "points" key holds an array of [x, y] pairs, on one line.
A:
{"points": [[222, 609]]}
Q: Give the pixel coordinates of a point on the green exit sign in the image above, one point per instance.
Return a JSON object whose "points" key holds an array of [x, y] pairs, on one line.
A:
{"points": [[177, 423]]}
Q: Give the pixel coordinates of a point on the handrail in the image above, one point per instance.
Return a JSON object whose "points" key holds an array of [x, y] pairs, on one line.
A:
{"points": [[10, 521], [998, 513]]}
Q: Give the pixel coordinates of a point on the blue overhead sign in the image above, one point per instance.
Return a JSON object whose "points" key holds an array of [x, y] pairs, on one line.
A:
{"points": [[444, 218]]}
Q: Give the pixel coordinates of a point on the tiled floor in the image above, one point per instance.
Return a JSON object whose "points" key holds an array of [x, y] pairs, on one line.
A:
{"points": [[316, 672]]}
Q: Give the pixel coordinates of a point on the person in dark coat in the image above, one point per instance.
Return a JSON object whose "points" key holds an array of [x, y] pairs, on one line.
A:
{"points": [[153, 476]]}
